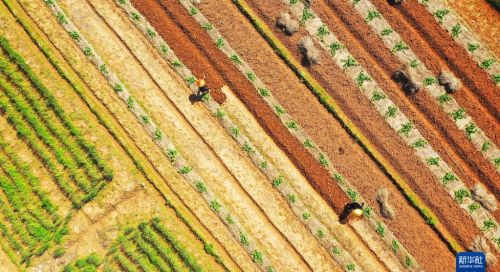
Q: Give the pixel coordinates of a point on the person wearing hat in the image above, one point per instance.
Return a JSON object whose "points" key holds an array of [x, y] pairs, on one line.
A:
{"points": [[202, 88], [351, 210]]}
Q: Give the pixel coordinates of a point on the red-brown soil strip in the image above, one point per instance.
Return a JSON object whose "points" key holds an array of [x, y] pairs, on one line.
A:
{"points": [[457, 57], [460, 154], [172, 22], [353, 102], [347, 156]]}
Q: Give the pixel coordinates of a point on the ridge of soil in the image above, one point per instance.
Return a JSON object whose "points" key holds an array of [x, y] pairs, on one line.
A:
{"points": [[355, 104]]}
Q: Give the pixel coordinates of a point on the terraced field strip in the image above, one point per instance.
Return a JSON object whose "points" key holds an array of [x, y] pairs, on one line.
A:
{"points": [[398, 121], [420, 73], [331, 105], [150, 247], [42, 124], [188, 173], [118, 133], [291, 124], [306, 216], [462, 34]]}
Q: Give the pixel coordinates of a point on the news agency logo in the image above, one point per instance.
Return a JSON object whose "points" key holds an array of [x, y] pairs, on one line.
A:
{"points": [[470, 262]]}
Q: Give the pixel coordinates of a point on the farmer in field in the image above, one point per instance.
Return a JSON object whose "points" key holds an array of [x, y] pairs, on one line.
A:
{"points": [[353, 208], [203, 90]]}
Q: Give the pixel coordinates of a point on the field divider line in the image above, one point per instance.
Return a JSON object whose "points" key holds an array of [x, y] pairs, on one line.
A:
{"points": [[458, 29], [286, 119], [166, 145], [457, 190], [422, 74], [270, 171], [112, 126], [330, 104]]}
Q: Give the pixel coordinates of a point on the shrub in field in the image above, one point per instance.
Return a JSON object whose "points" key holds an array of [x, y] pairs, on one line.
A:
{"points": [[449, 81], [309, 50], [386, 208], [480, 194], [287, 24]]}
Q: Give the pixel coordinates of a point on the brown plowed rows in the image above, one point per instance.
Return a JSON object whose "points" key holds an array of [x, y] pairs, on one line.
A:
{"points": [[346, 155], [178, 29], [477, 83], [461, 155], [455, 55], [367, 118], [465, 97]]}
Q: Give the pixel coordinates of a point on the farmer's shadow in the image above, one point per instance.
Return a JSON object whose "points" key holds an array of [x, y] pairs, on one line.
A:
{"points": [[193, 98]]}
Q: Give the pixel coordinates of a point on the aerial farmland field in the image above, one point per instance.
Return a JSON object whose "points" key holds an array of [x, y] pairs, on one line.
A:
{"points": [[249, 135]]}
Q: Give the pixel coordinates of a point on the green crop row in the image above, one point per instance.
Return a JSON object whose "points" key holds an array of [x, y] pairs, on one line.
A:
{"points": [[147, 250], [20, 195], [33, 123], [52, 126], [177, 246], [54, 105], [150, 247], [164, 250], [33, 181], [25, 133], [87, 264]]}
